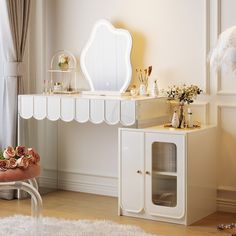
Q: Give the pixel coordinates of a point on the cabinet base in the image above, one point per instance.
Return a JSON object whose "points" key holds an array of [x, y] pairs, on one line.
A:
{"points": [[143, 215]]}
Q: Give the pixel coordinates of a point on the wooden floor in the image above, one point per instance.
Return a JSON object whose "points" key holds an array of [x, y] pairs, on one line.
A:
{"points": [[72, 205]]}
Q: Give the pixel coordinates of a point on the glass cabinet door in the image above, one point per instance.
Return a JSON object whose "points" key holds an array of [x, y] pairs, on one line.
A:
{"points": [[164, 180], [164, 177]]}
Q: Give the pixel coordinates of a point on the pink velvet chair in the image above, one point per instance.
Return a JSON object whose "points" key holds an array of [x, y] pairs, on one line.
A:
{"points": [[17, 179]]}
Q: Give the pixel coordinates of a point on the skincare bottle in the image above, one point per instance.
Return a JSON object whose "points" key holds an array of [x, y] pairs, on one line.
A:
{"points": [[154, 90], [190, 119], [142, 89]]}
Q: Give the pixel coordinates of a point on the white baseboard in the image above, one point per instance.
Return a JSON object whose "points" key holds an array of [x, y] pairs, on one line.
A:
{"points": [[226, 199], [226, 205], [89, 187], [81, 182], [47, 182]]}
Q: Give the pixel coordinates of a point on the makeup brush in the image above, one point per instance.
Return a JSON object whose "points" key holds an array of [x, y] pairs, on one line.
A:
{"points": [[149, 70], [145, 76], [141, 74], [138, 75]]}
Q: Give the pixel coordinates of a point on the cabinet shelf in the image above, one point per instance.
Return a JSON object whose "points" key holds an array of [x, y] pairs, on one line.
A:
{"points": [[62, 71], [165, 173]]}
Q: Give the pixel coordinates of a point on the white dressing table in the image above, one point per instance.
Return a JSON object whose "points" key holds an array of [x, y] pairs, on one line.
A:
{"points": [[90, 170], [88, 153]]}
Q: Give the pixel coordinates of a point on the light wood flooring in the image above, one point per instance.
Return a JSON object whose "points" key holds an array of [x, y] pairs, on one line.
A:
{"points": [[73, 205]]}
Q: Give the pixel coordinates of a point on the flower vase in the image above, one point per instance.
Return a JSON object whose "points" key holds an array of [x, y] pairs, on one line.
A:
{"points": [[181, 114]]}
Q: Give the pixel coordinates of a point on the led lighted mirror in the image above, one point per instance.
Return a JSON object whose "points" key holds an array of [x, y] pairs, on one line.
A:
{"points": [[105, 60]]}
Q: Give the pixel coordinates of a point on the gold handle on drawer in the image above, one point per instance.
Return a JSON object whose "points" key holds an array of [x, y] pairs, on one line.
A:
{"points": [[148, 172], [139, 171]]}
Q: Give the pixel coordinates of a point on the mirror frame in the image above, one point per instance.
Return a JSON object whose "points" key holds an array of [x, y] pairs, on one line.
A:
{"points": [[127, 56]]}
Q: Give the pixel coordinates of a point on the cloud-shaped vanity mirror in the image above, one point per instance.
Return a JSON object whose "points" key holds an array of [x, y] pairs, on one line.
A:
{"points": [[105, 60]]}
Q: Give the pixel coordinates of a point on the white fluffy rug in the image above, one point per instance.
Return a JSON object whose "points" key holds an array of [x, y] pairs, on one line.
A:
{"points": [[22, 226]]}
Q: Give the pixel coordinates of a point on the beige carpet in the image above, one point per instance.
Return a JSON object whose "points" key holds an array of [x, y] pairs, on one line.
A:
{"points": [[24, 226]]}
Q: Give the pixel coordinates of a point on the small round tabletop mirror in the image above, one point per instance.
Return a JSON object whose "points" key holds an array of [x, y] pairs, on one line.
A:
{"points": [[105, 60]]}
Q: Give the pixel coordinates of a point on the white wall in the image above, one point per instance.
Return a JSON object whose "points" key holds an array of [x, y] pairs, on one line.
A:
{"points": [[172, 36]]}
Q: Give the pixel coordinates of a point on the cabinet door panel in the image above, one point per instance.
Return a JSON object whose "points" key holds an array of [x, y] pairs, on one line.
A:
{"points": [[96, 111], [112, 111], [53, 108], [128, 112], [40, 107], [26, 106], [82, 110], [67, 108], [132, 171], [164, 180]]}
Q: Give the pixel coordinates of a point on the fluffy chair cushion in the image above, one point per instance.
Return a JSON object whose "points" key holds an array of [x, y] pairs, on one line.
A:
{"points": [[18, 174]]}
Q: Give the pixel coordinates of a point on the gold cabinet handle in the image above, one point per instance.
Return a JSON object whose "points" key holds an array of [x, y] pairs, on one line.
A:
{"points": [[139, 171]]}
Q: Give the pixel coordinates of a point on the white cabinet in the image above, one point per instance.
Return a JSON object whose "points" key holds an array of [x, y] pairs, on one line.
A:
{"points": [[167, 174]]}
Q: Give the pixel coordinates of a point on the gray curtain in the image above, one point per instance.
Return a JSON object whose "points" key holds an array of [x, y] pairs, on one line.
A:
{"points": [[14, 21]]}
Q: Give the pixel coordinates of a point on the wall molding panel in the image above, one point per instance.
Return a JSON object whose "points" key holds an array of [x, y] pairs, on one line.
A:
{"points": [[221, 106], [207, 46], [202, 111]]}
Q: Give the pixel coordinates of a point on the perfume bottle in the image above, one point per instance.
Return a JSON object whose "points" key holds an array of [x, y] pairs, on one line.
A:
{"points": [[175, 120], [57, 87], [45, 86], [142, 89], [154, 89], [190, 118]]}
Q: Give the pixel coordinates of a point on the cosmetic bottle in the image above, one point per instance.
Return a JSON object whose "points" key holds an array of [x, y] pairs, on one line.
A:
{"points": [[175, 120], [190, 118]]}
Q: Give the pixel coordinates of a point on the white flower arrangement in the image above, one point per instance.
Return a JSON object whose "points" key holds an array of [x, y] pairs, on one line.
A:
{"points": [[63, 61], [184, 93]]}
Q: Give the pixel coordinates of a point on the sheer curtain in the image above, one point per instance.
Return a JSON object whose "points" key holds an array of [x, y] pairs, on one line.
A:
{"points": [[14, 19]]}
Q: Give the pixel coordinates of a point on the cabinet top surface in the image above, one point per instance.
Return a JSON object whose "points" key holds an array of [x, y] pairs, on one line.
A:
{"points": [[162, 129], [102, 97]]}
